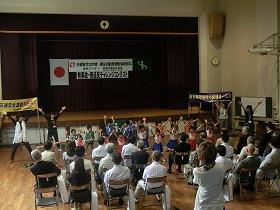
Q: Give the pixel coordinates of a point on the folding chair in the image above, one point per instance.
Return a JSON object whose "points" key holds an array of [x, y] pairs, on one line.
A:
{"points": [[181, 158], [247, 180], [136, 171], [117, 189], [39, 191], [154, 191], [79, 189], [273, 188]]}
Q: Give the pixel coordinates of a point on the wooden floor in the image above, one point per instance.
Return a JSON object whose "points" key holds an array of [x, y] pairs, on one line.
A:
{"points": [[17, 183]]}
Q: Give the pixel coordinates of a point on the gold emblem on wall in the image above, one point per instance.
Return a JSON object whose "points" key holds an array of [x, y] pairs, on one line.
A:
{"points": [[104, 24]]}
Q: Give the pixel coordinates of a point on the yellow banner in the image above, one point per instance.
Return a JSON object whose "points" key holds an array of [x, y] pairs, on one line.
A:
{"points": [[19, 105]]}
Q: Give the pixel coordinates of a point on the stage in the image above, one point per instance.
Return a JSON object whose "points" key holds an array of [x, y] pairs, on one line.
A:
{"points": [[96, 117]]}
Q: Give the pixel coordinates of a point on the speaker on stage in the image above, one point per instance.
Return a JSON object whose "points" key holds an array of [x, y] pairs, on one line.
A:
{"points": [[216, 23]]}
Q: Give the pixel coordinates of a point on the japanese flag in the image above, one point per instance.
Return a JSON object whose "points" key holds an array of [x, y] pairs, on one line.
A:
{"points": [[59, 74]]}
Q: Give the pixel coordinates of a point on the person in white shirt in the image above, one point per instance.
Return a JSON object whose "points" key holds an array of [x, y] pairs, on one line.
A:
{"points": [[229, 148], [20, 133], [80, 152], [223, 161], [117, 173], [271, 161], [48, 154], [107, 163], [128, 149], [243, 154], [209, 176], [154, 170], [99, 151]]}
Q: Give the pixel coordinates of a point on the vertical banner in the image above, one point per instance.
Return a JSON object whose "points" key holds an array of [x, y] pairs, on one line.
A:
{"points": [[59, 74]]}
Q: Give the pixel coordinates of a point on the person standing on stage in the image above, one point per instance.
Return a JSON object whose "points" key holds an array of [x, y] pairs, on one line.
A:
{"points": [[51, 119], [20, 133]]}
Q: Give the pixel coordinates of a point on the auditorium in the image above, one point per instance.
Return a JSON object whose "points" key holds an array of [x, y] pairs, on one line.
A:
{"points": [[128, 104]]}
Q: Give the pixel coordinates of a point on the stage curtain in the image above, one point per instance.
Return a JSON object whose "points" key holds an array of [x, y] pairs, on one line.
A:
{"points": [[19, 66]]}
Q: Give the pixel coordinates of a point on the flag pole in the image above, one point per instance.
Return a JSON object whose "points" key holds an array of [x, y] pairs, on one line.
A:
{"points": [[39, 127]]}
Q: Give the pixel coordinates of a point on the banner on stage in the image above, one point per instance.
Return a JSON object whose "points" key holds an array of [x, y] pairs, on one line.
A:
{"points": [[96, 65], [211, 97], [19, 105], [102, 74]]}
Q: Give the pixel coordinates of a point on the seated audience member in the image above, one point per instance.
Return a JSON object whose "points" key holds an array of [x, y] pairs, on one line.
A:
{"points": [[70, 155], [223, 161], [117, 173], [80, 152], [154, 170], [219, 140], [48, 154], [128, 149], [182, 147], [271, 161], [250, 162], [139, 157], [266, 138], [43, 167], [229, 148], [210, 179], [106, 163], [243, 139], [243, 153], [99, 151], [80, 176]]}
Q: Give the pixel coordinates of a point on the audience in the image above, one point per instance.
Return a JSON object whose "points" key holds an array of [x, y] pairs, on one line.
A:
{"points": [[154, 170], [117, 173], [182, 147], [210, 179], [80, 176], [43, 167], [223, 161], [99, 151], [266, 138], [80, 152], [229, 148], [243, 153], [48, 154], [243, 139], [70, 155], [271, 161], [128, 149], [106, 163], [139, 157]]}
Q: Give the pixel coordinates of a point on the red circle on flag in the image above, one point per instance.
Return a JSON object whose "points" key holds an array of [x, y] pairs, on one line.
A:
{"points": [[59, 72]]}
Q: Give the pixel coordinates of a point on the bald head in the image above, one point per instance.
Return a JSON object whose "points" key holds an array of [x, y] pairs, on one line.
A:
{"points": [[36, 155], [250, 150]]}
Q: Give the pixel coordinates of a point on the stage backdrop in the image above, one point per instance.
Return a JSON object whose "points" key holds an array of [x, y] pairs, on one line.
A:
{"points": [[174, 73]]}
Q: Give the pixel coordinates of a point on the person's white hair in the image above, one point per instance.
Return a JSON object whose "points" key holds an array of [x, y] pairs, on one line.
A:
{"points": [[110, 147], [140, 144], [36, 155]]}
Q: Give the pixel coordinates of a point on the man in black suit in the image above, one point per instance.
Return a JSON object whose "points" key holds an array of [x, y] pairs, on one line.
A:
{"points": [[43, 167], [243, 139], [182, 147], [266, 138], [139, 157]]}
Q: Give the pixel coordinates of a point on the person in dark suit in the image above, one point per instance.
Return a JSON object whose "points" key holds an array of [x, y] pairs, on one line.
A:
{"points": [[181, 147], [243, 139], [266, 138], [43, 167], [139, 157]]}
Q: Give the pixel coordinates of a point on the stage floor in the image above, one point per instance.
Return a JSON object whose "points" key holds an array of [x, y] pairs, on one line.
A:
{"points": [[96, 117]]}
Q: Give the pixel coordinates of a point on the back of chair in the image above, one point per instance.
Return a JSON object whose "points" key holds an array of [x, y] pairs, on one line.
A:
{"points": [[118, 188], [182, 157], [155, 180], [80, 187], [127, 157], [47, 176], [247, 175]]}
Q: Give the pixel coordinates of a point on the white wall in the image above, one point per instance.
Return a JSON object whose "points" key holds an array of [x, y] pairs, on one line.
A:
{"points": [[248, 22]]}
